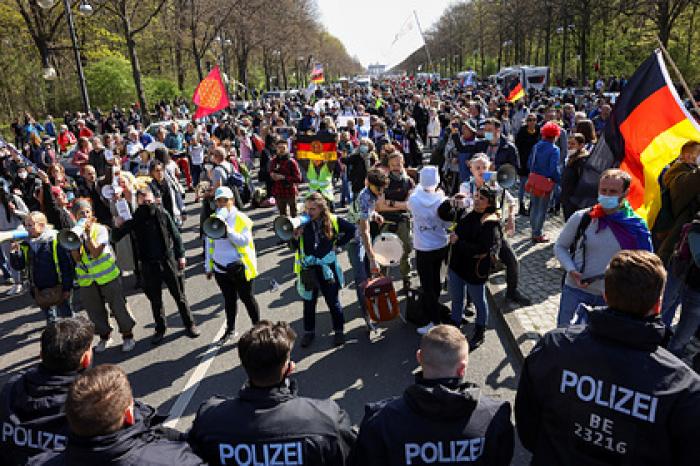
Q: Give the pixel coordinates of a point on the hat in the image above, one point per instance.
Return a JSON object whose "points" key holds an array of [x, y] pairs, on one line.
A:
{"points": [[429, 177], [223, 191], [550, 130]]}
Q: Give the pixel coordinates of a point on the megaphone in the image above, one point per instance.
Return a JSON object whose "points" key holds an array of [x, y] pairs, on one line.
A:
{"points": [[284, 226], [506, 176], [214, 228], [13, 235], [70, 238]]}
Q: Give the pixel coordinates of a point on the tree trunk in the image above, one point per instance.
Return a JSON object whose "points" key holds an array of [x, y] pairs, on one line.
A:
{"points": [[193, 41], [547, 37], [242, 63], [136, 70], [583, 46], [691, 30], [179, 43], [284, 71], [663, 22]]}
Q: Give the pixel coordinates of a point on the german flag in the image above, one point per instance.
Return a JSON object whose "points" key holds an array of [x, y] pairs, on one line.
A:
{"points": [[515, 91], [317, 74], [647, 128], [316, 147]]}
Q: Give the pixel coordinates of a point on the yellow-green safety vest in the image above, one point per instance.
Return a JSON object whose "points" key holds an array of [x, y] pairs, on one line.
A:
{"points": [[247, 252], [101, 270], [300, 252], [54, 253], [320, 181]]}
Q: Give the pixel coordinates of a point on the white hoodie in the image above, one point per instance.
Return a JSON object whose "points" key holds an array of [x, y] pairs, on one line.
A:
{"points": [[429, 231]]}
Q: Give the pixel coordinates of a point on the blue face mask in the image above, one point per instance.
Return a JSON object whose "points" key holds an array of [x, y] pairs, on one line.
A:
{"points": [[488, 136], [608, 202], [364, 149]]}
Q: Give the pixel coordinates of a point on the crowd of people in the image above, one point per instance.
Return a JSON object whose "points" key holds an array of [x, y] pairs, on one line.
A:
{"points": [[446, 170]]}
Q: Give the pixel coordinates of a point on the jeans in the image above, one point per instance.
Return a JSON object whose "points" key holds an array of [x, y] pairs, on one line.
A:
{"points": [[538, 212], [477, 293], [5, 267], [232, 290], [360, 270], [521, 189], [689, 321], [570, 300], [428, 264], [329, 290], [345, 196], [62, 310], [196, 173], [673, 293]]}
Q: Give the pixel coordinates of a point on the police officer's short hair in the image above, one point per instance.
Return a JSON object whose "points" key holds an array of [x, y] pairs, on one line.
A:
{"points": [[265, 349], [443, 348], [634, 281], [97, 401], [64, 342]]}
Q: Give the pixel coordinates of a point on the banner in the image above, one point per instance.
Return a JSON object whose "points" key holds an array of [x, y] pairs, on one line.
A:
{"points": [[210, 96]]}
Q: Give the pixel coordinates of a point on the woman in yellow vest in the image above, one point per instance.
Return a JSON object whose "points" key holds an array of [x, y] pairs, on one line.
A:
{"points": [[231, 260], [317, 267], [99, 280]]}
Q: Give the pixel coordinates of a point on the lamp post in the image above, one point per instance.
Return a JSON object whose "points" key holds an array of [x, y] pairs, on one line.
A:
{"points": [[49, 73]]}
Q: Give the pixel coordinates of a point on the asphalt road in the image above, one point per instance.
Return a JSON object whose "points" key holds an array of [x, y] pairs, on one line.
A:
{"points": [[365, 369]]}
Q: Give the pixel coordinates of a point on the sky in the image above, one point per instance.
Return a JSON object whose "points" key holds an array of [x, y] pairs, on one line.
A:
{"points": [[369, 28]]}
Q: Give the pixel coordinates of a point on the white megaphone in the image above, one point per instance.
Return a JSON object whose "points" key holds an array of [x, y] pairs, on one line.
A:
{"points": [[214, 228], [70, 238], [13, 235], [284, 226]]}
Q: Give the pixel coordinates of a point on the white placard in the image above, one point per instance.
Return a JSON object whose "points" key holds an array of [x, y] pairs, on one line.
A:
{"points": [[123, 209]]}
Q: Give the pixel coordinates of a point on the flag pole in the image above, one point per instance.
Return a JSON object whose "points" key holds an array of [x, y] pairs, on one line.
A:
{"points": [[425, 42], [678, 73]]}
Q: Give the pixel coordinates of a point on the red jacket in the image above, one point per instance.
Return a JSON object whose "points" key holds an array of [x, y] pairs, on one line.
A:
{"points": [[290, 169]]}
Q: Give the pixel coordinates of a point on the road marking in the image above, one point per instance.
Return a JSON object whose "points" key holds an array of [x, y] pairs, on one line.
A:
{"points": [[193, 382]]}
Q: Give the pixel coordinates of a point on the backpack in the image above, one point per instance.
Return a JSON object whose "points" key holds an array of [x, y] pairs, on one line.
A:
{"points": [[380, 299], [415, 311], [681, 259], [579, 236], [233, 178]]}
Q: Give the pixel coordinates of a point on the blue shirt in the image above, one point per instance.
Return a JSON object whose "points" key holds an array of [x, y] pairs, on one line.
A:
{"points": [[544, 160]]}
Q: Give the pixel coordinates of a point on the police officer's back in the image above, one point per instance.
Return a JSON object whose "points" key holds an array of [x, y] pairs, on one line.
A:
{"points": [[31, 403], [440, 419], [268, 423], [609, 393]]}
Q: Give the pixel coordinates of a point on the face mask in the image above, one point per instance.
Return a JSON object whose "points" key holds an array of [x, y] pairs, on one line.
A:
{"points": [[488, 136], [364, 149], [571, 152], [22, 175], [608, 202], [395, 176], [222, 212]]}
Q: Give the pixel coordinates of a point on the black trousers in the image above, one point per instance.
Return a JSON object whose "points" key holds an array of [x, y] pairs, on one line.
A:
{"points": [[232, 290], [154, 275], [507, 256], [428, 264]]}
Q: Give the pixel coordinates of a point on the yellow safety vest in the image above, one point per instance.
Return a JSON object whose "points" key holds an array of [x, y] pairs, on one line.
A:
{"points": [[320, 181], [300, 252], [54, 254], [101, 270], [247, 252]]}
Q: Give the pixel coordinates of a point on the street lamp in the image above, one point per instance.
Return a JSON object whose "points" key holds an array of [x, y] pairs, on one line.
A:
{"points": [[84, 8]]}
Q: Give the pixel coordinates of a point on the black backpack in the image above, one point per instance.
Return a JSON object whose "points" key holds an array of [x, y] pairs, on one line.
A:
{"points": [[580, 235]]}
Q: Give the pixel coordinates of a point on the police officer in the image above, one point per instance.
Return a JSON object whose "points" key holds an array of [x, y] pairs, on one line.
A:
{"points": [[232, 261], [108, 427], [31, 403], [608, 392], [440, 419], [268, 423], [394, 209]]}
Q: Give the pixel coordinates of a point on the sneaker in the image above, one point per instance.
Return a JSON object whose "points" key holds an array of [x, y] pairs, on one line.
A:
{"points": [[307, 339], [425, 329], [338, 339], [13, 291], [540, 239], [102, 345], [477, 338], [128, 344], [21, 289], [518, 298], [158, 337], [192, 331]]}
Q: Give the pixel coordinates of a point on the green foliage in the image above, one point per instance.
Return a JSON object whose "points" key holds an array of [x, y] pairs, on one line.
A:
{"points": [[109, 82], [159, 89]]}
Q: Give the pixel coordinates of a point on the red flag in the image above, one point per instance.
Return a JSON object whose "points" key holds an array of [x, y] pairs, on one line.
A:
{"points": [[210, 95]]}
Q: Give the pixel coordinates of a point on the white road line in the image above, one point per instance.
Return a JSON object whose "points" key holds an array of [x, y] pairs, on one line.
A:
{"points": [[193, 382]]}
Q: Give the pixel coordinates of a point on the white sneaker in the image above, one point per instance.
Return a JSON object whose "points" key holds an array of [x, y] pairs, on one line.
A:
{"points": [[426, 329], [102, 345], [13, 291], [20, 289], [128, 344]]}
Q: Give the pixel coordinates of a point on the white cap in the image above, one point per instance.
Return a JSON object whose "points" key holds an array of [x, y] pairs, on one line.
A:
{"points": [[429, 177], [223, 191]]}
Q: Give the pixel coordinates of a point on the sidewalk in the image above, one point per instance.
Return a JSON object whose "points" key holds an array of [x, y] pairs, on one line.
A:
{"points": [[540, 280]]}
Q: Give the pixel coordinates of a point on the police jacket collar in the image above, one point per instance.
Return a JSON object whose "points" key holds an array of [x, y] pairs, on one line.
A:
{"points": [[441, 399], [39, 394], [639, 333], [269, 396]]}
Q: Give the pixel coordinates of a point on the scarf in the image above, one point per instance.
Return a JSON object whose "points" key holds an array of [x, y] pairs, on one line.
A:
{"points": [[325, 263], [630, 229]]}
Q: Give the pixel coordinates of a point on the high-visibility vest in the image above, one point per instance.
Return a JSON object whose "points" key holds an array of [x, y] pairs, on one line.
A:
{"points": [[54, 255], [320, 181], [299, 255], [101, 270], [247, 251]]}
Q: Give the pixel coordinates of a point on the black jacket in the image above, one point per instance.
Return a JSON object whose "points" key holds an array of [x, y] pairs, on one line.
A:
{"points": [[157, 235], [440, 421], [273, 424], [31, 412], [608, 393], [136, 445], [524, 142], [507, 153]]}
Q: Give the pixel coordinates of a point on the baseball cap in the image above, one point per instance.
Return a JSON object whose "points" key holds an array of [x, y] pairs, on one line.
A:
{"points": [[223, 191]]}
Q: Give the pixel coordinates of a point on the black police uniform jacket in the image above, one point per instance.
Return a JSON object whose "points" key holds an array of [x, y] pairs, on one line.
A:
{"points": [[31, 412], [441, 421], [608, 393], [136, 445], [271, 426]]}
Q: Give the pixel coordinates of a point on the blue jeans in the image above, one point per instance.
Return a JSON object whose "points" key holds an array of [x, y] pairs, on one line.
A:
{"points": [[521, 189], [689, 321], [360, 270], [538, 212], [329, 290], [345, 195], [464, 172], [477, 292], [62, 310], [570, 299], [672, 298]]}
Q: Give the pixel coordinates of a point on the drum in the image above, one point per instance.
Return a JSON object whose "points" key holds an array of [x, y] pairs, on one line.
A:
{"points": [[388, 249]]}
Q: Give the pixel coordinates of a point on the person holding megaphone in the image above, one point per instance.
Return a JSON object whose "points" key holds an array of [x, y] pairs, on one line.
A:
{"points": [[99, 278], [230, 258]]}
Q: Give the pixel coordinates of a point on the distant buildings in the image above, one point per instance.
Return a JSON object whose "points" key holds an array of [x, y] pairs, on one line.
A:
{"points": [[376, 70]]}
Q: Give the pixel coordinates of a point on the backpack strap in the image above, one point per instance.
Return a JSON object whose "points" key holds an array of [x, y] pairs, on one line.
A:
{"points": [[581, 236]]}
